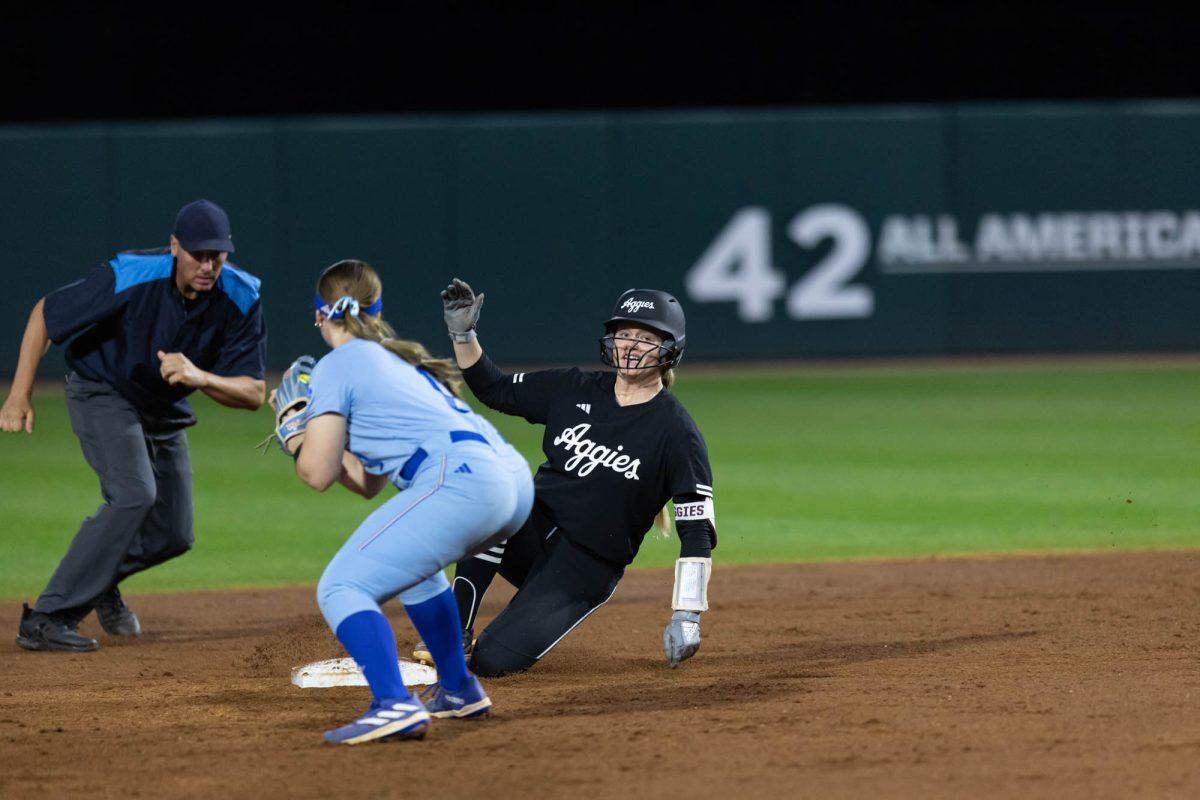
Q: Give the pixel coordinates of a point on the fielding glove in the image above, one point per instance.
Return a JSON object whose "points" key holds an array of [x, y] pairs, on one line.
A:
{"points": [[291, 404]]}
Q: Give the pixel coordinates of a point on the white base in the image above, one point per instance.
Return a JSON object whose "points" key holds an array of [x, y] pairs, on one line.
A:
{"points": [[345, 672]]}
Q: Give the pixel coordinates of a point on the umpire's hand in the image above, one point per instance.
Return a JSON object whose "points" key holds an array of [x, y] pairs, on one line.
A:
{"points": [[17, 414], [178, 370]]}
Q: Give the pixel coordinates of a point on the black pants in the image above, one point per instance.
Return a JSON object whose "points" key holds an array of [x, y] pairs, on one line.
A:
{"points": [[146, 481], [559, 585]]}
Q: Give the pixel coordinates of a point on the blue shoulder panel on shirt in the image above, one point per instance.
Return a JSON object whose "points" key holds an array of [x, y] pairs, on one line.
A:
{"points": [[241, 286], [133, 269]]}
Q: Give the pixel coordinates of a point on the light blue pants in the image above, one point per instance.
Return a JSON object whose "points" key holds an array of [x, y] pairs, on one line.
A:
{"points": [[518, 467], [458, 499]]}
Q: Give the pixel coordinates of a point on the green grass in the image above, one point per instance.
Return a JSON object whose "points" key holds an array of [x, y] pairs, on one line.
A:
{"points": [[850, 463]]}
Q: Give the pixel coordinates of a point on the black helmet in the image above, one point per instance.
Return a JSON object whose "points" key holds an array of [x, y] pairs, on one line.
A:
{"points": [[654, 309]]}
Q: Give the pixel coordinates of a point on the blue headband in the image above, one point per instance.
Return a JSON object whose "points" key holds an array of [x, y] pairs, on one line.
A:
{"points": [[346, 304]]}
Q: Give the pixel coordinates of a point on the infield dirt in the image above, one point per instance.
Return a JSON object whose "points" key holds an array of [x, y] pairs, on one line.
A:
{"points": [[1028, 676]]}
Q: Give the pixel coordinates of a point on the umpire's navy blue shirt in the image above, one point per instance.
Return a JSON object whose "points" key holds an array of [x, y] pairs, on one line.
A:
{"points": [[128, 309]]}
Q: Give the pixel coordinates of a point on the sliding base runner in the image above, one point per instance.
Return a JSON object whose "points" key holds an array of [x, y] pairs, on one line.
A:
{"points": [[619, 446]]}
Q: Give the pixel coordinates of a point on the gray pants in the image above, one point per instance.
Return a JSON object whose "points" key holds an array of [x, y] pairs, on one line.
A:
{"points": [[146, 481]]}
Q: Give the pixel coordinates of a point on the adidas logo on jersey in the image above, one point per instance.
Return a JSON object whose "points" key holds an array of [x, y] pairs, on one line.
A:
{"points": [[589, 454], [584, 407], [463, 468]]}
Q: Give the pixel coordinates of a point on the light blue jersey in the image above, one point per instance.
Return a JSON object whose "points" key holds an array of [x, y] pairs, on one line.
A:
{"points": [[508, 453], [392, 409]]}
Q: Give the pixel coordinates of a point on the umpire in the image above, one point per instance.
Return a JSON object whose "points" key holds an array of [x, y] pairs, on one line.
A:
{"points": [[145, 330]]}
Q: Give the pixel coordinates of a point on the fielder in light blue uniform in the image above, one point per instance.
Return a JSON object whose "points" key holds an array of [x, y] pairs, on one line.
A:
{"points": [[376, 417]]}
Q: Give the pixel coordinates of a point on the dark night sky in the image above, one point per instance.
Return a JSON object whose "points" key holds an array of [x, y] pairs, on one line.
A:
{"points": [[221, 59]]}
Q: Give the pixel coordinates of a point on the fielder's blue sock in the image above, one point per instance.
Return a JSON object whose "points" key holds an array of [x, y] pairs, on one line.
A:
{"points": [[437, 621], [369, 640]]}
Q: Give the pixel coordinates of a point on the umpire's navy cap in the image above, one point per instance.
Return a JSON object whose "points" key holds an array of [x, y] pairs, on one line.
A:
{"points": [[203, 225]]}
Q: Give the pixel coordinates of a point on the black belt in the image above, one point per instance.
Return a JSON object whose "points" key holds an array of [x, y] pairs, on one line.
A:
{"points": [[416, 459]]}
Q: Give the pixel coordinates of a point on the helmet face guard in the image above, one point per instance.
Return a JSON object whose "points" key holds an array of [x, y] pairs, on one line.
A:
{"points": [[668, 354], [648, 308]]}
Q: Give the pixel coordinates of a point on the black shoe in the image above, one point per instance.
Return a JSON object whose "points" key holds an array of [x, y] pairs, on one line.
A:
{"points": [[40, 631], [468, 642], [115, 617]]}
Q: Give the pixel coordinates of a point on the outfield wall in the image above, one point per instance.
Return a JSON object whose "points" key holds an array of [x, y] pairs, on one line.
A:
{"points": [[809, 233]]}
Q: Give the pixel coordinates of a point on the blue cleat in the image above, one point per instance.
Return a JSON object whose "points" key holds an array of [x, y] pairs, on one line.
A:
{"points": [[469, 701], [397, 718]]}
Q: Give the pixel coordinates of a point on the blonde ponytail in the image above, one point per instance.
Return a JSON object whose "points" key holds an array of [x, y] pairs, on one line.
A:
{"points": [[443, 370], [376, 329], [662, 521]]}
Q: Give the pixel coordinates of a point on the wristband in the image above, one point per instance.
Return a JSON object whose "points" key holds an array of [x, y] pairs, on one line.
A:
{"points": [[691, 584], [464, 337]]}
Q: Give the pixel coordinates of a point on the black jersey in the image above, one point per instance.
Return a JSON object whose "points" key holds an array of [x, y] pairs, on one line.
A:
{"points": [[609, 469]]}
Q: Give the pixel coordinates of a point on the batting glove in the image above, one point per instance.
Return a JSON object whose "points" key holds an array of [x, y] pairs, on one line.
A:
{"points": [[681, 639]]}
